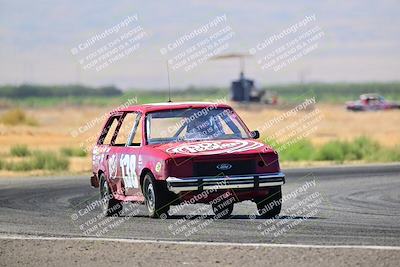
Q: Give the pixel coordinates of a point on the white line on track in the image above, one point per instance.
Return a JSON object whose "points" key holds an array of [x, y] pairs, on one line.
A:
{"points": [[26, 237]]}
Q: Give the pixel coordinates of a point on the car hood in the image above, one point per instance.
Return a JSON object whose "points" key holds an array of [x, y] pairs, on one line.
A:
{"points": [[214, 147]]}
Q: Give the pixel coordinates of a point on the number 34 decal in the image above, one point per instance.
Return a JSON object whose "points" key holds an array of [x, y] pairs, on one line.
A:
{"points": [[128, 170]]}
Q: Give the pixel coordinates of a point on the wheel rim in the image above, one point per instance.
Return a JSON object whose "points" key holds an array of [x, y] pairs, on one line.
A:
{"points": [[150, 196]]}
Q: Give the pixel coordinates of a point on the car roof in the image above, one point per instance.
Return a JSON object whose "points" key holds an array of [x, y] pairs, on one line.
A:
{"points": [[370, 96], [145, 108]]}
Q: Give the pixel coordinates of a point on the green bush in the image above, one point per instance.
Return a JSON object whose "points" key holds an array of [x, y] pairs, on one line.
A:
{"points": [[393, 155], [361, 148], [19, 151], [17, 116], [25, 165], [335, 92], [43, 160], [43, 91], [365, 148], [39, 160], [385, 155], [301, 150], [72, 152], [334, 150]]}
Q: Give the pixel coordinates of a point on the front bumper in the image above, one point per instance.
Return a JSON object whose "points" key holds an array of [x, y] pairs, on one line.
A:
{"points": [[177, 185]]}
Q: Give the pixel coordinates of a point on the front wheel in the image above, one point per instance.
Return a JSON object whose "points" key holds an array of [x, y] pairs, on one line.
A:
{"points": [[109, 205], [270, 206], [155, 197]]}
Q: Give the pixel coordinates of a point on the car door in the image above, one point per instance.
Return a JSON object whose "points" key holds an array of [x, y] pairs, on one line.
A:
{"points": [[105, 149], [126, 150]]}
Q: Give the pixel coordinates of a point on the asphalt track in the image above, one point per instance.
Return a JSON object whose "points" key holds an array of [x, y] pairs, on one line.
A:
{"points": [[360, 206], [338, 206]]}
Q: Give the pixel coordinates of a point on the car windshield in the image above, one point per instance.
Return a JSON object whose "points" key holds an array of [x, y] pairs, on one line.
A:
{"points": [[194, 125]]}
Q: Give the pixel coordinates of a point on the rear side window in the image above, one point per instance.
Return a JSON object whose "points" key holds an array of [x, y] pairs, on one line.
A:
{"points": [[126, 129], [110, 131]]}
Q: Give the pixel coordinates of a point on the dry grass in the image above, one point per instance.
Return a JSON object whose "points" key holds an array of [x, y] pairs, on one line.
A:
{"points": [[56, 125], [17, 116], [337, 123]]}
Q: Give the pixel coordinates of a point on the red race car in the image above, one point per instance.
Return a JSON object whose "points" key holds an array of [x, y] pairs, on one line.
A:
{"points": [[176, 153], [371, 102]]}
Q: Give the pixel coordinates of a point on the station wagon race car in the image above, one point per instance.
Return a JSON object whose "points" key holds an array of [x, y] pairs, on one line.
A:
{"points": [[177, 153]]}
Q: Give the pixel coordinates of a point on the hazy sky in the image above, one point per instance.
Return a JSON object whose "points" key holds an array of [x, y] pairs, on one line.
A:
{"points": [[360, 41]]}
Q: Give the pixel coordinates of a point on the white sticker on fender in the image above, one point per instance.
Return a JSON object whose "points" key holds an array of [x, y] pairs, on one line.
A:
{"points": [[215, 147]]}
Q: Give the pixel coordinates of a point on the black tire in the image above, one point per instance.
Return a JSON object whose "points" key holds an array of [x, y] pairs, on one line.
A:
{"points": [[156, 198], [110, 206], [222, 212], [270, 206]]}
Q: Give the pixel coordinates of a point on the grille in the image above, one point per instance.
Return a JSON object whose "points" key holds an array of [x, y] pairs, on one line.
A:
{"points": [[210, 168]]}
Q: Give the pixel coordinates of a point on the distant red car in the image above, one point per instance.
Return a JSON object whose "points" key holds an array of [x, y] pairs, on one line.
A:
{"points": [[172, 153], [371, 102]]}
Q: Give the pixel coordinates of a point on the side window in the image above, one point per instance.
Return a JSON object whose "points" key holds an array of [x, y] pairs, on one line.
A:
{"points": [[109, 131], [137, 135], [128, 123]]}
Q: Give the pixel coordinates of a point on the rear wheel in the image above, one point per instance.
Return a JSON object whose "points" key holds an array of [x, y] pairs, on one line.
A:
{"points": [[155, 197], [270, 206], [109, 205]]}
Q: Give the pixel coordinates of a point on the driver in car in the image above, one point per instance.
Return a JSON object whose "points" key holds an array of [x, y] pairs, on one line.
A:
{"points": [[204, 127]]}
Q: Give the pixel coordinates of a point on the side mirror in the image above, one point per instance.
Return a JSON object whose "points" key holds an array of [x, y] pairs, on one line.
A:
{"points": [[255, 134]]}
